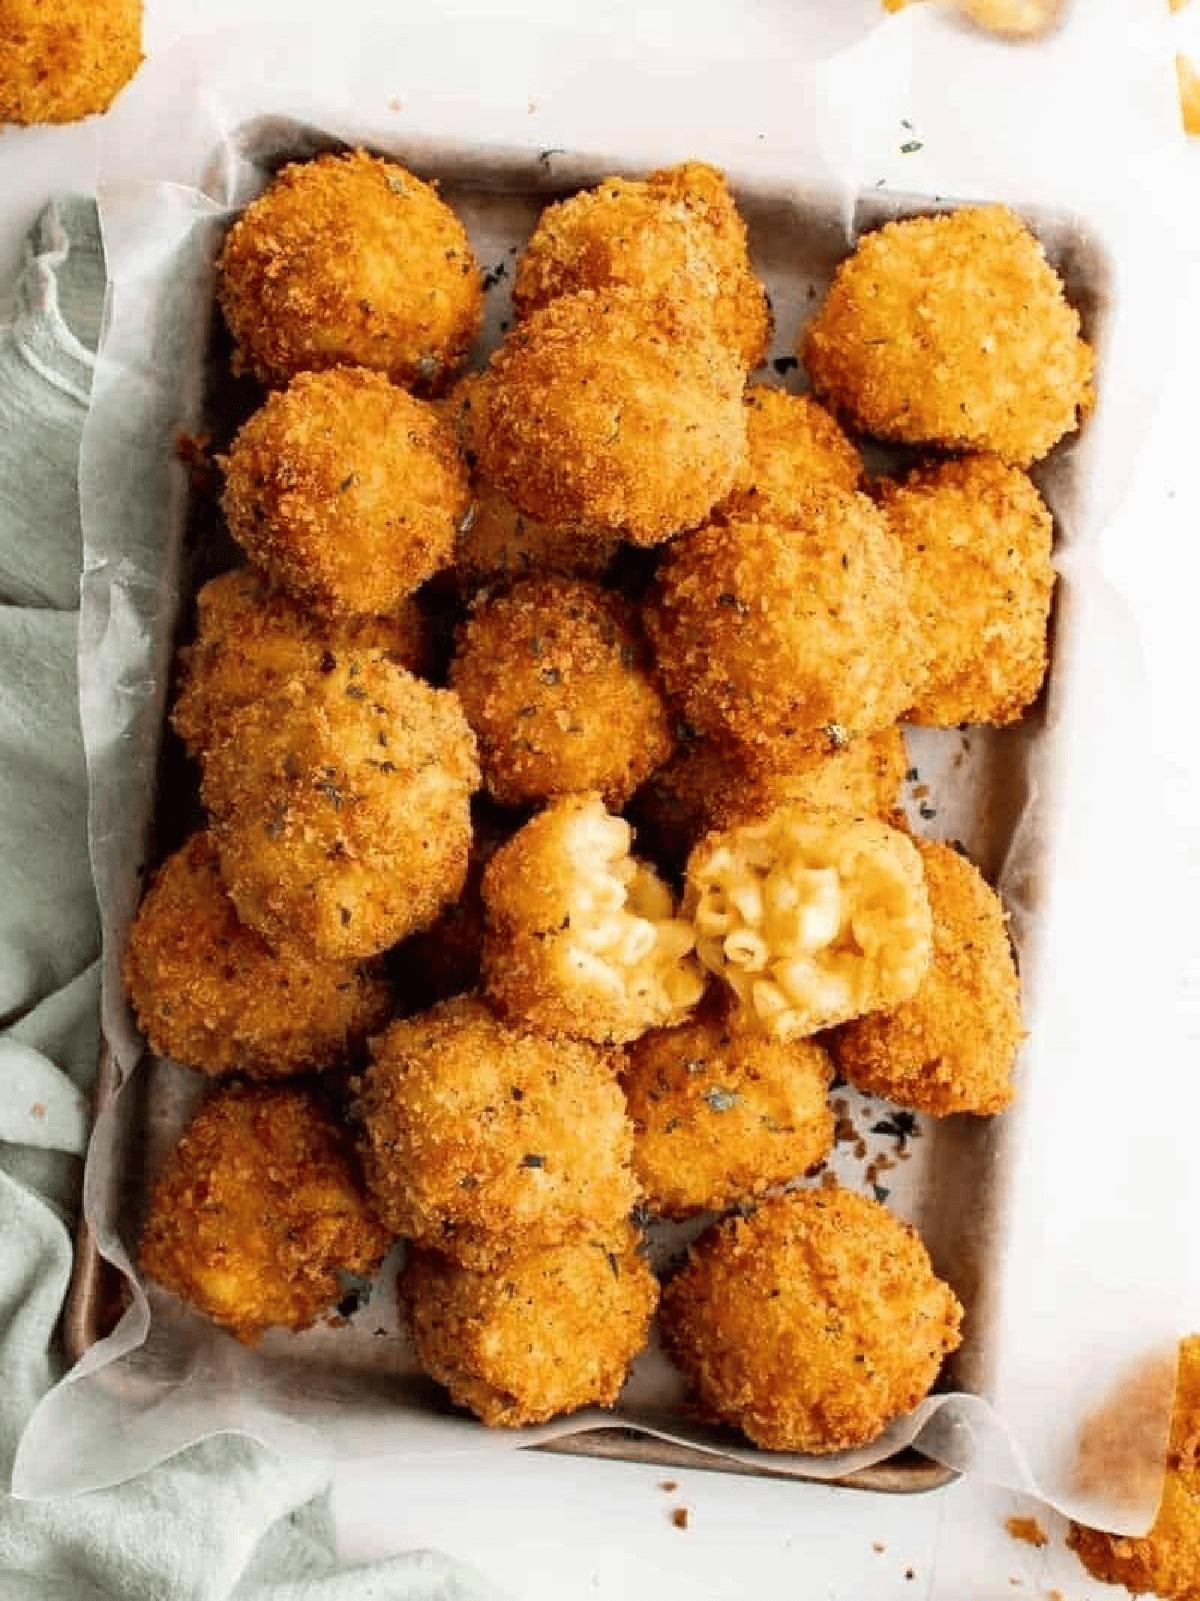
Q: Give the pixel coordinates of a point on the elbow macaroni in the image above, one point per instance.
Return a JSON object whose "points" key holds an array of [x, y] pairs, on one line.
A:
{"points": [[811, 918]]}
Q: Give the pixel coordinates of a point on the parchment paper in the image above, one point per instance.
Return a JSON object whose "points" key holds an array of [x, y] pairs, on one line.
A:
{"points": [[1089, 1268]]}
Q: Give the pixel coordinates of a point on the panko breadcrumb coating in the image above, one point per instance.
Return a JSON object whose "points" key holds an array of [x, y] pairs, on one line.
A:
{"points": [[554, 677], [777, 630], [812, 1324], [676, 232], [952, 330], [346, 490], [214, 995], [608, 409], [711, 784], [545, 1332], [792, 442], [64, 60], [952, 1046], [977, 539], [581, 938], [349, 260], [340, 806], [1165, 1561], [810, 917], [479, 1139], [251, 638], [720, 1116], [256, 1212]]}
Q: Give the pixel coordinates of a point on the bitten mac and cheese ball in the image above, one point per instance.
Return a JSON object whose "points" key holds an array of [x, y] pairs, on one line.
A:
{"points": [[582, 938], [791, 444], [340, 806], [720, 1116], [778, 630], [977, 539], [251, 638], [256, 1212], [346, 491], [66, 60], [676, 232], [952, 1046], [213, 995], [952, 330], [544, 1333], [611, 410], [811, 918], [554, 677], [812, 1324], [349, 260], [480, 1140]]}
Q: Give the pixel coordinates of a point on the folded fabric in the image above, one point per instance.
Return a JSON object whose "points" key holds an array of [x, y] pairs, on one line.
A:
{"points": [[226, 1518]]}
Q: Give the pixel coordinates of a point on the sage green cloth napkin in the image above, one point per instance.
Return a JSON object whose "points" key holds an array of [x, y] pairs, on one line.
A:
{"points": [[226, 1518]]}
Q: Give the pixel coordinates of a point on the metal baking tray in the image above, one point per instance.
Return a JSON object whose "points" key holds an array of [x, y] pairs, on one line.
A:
{"points": [[950, 1176]]}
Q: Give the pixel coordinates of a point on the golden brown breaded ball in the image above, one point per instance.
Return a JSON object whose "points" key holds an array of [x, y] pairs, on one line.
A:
{"points": [[676, 232], [349, 260], [952, 330], [346, 491], [812, 1324], [775, 631], [711, 784], [792, 442], [720, 1116], [554, 676], [977, 539], [478, 1138], [1165, 1561], [607, 409], [64, 60], [340, 807], [952, 1046], [810, 917], [582, 938], [213, 995], [544, 1332], [251, 638], [256, 1212]]}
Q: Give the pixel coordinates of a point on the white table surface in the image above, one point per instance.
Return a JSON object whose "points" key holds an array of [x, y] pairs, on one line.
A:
{"points": [[557, 1527]]}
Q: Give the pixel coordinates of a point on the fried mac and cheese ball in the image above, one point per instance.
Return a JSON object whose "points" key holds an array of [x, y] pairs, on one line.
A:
{"points": [[349, 260], [812, 1324], [614, 411], [1165, 1561], [251, 638], [582, 938], [345, 490], [977, 539], [676, 232], [811, 918], [340, 807], [952, 330], [479, 1139], [554, 677], [770, 631], [952, 1046], [213, 995], [256, 1212], [792, 442], [545, 1332], [720, 1116], [66, 60]]}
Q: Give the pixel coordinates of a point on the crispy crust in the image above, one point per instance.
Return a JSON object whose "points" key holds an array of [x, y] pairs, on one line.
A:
{"points": [[952, 1046], [67, 60], [952, 330], [812, 1324], [257, 1210], [792, 442], [215, 996], [350, 261]]}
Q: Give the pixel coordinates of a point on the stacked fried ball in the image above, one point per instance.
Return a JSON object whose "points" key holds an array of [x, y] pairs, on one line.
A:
{"points": [[551, 752]]}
